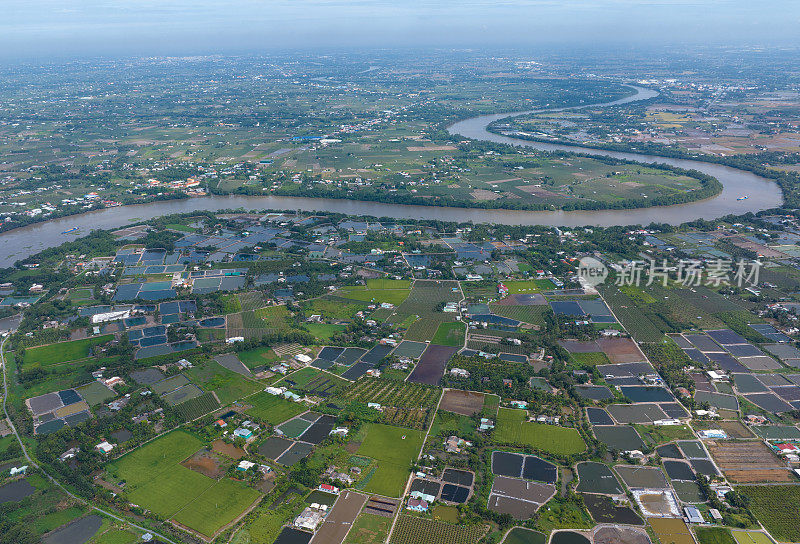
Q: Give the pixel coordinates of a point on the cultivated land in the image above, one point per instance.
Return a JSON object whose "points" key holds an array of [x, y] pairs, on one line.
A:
{"points": [[512, 428], [361, 323]]}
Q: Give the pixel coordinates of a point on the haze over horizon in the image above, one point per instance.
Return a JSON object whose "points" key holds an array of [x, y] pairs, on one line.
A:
{"points": [[37, 28]]}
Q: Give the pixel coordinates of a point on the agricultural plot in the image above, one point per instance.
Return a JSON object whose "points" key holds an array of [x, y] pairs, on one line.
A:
{"points": [[369, 529], [196, 407], [520, 535], [62, 352], [378, 291], [431, 365], [636, 413], [532, 314], [748, 462], [512, 428], [415, 530], [226, 384], [404, 403], [394, 448], [465, 403], [272, 408], [671, 531], [424, 301], [604, 510], [528, 467], [777, 507], [217, 506], [450, 334], [642, 477], [312, 381]]}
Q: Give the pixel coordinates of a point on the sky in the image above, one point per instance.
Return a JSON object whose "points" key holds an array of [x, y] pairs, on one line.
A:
{"points": [[41, 28]]}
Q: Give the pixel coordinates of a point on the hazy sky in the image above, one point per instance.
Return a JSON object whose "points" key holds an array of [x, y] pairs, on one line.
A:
{"points": [[69, 27]]}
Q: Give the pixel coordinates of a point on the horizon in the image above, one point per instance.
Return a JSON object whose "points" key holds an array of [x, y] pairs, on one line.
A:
{"points": [[46, 28]]}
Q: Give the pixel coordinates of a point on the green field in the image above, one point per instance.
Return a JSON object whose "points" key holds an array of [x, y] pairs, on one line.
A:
{"points": [[395, 449], [590, 358], [516, 287], [751, 537], [227, 384], [158, 482], [378, 291], [714, 535], [217, 506], [450, 334], [534, 315], [369, 529], [324, 331], [62, 352], [272, 408], [777, 507], [512, 428], [257, 357], [161, 455]]}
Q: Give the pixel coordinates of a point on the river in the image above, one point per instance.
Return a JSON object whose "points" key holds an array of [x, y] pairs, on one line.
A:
{"points": [[763, 194]]}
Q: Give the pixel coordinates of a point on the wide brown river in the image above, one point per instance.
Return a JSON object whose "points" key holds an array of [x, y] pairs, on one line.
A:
{"points": [[762, 194]]}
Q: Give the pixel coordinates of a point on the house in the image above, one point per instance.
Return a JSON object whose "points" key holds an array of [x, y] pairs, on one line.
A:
{"points": [[220, 423], [244, 465], [486, 425], [303, 358], [417, 505], [340, 431], [453, 444], [18, 470], [715, 515], [328, 488], [275, 390], [104, 447], [112, 382], [424, 497], [459, 373], [375, 406], [311, 517], [69, 454], [247, 434], [713, 433], [521, 404]]}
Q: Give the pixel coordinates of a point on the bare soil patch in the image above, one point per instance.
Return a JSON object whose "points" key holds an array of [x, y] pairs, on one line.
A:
{"points": [[465, 403]]}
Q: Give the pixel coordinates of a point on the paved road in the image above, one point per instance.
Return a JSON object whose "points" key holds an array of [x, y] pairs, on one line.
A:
{"points": [[55, 482]]}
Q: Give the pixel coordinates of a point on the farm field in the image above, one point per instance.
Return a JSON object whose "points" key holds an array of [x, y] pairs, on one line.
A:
{"points": [[61, 352], [228, 385], [513, 429], [404, 403], [450, 334], [217, 506], [154, 458], [777, 507], [395, 449], [414, 530], [369, 529], [272, 408], [534, 314], [714, 535], [378, 291]]}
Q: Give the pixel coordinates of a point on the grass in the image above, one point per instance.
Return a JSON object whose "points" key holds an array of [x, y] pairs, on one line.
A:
{"points": [[534, 314], [416, 530], [228, 385], [562, 514], [590, 359], [62, 351], [257, 357], [154, 458], [751, 537], [656, 435], [273, 409], [452, 424], [450, 334], [54, 520], [115, 536], [333, 308], [170, 491], [777, 507], [512, 428], [366, 294], [445, 513], [516, 287], [324, 331], [395, 449], [714, 535], [368, 529], [217, 506]]}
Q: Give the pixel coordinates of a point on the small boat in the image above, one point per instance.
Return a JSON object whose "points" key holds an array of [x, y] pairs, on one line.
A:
{"points": [[742, 197], [70, 231]]}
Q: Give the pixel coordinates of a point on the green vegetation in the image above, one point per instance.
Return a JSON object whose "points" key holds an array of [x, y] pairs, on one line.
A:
{"points": [[450, 334], [777, 507], [512, 428], [714, 535], [272, 408], [369, 529], [217, 506], [395, 449], [62, 352]]}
